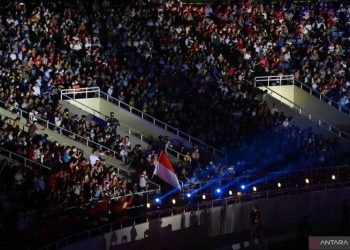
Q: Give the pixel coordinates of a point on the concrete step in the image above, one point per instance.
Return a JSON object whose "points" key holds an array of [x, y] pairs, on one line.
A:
{"points": [[53, 135], [146, 140]]}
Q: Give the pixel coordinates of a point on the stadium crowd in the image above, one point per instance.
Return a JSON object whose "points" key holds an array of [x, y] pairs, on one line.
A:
{"points": [[88, 178], [35, 195], [151, 57], [189, 66]]}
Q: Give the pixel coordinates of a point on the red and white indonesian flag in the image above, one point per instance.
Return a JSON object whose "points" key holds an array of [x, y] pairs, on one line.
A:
{"points": [[165, 171]]}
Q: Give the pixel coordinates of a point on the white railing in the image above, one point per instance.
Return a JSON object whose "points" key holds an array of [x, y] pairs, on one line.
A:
{"points": [[11, 154], [130, 131], [26, 161], [330, 127], [88, 92], [275, 80], [24, 114], [289, 80], [321, 97]]}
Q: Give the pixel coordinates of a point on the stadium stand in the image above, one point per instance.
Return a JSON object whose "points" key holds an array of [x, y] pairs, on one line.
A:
{"points": [[190, 66]]}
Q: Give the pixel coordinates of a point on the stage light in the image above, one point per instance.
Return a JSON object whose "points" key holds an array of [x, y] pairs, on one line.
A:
{"points": [[254, 189], [218, 190], [279, 185], [148, 205], [333, 177], [173, 201], [188, 195], [307, 181], [157, 200], [230, 192], [204, 197], [242, 187]]}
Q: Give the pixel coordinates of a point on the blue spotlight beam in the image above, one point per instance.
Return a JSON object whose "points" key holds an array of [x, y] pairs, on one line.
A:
{"points": [[269, 176], [208, 184], [172, 191]]}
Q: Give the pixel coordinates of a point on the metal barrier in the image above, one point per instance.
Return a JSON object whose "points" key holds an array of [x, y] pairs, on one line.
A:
{"points": [[288, 187], [275, 80], [155, 190], [160, 213], [84, 93], [69, 134], [131, 131], [321, 97], [281, 176], [24, 114], [289, 80], [87, 92], [330, 127], [11, 154], [25, 160]]}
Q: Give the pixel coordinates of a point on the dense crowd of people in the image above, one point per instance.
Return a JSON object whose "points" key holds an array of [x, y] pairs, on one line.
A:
{"points": [[161, 59], [88, 178], [35, 195], [189, 66], [32, 208]]}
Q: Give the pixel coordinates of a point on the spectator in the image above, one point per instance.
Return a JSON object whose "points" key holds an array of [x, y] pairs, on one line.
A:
{"points": [[143, 178], [15, 125], [195, 157], [33, 129], [66, 155], [94, 157], [285, 123], [19, 178], [97, 193], [112, 124], [256, 224], [125, 148], [187, 158], [274, 109], [39, 184]]}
